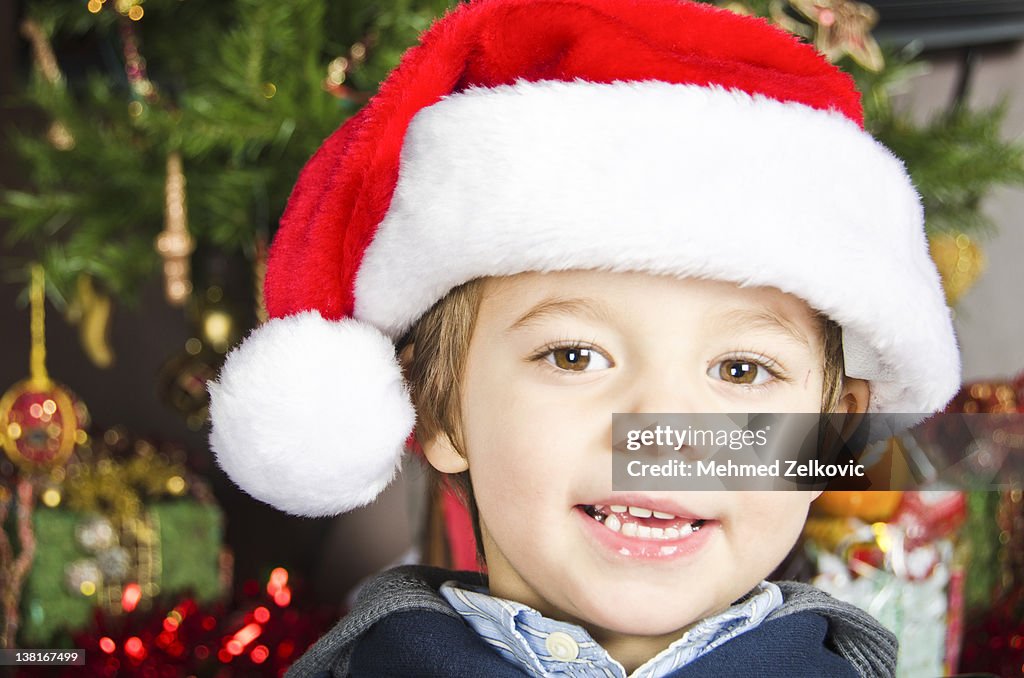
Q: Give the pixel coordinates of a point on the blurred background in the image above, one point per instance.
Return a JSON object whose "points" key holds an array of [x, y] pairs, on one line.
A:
{"points": [[147, 149]]}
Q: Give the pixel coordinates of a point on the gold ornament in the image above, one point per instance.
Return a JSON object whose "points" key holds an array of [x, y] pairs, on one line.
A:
{"points": [[46, 63], [174, 243], [40, 421], [90, 310], [960, 262], [842, 27]]}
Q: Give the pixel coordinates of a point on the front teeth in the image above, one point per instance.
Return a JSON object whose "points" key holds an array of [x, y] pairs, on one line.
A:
{"points": [[614, 520], [614, 523], [638, 512]]}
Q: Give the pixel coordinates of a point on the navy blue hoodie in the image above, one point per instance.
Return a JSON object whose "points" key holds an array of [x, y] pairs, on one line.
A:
{"points": [[401, 626]]}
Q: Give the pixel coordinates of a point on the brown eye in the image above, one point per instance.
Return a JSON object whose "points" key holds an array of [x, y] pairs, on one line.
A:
{"points": [[740, 371], [577, 359]]}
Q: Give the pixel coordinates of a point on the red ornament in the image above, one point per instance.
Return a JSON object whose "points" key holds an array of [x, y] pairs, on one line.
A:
{"points": [[40, 420], [40, 424]]}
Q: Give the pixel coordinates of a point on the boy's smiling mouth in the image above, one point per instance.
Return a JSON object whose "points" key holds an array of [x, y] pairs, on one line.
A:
{"points": [[637, 526], [635, 521]]}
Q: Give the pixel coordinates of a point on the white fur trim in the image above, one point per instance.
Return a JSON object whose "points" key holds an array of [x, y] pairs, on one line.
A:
{"points": [[669, 179], [311, 416]]}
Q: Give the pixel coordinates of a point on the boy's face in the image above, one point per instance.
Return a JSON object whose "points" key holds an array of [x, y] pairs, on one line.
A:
{"points": [[552, 356]]}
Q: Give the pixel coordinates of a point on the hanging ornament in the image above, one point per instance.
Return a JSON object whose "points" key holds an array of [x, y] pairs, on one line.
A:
{"points": [[174, 243], [182, 380], [90, 310], [960, 262], [46, 63], [842, 27], [134, 63], [40, 420]]}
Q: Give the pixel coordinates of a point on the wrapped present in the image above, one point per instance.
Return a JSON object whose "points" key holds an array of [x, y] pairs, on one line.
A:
{"points": [[118, 526], [904, 571]]}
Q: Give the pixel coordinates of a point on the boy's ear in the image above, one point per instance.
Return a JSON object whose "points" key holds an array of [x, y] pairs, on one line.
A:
{"points": [[442, 455], [853, 401], [855, 396]]}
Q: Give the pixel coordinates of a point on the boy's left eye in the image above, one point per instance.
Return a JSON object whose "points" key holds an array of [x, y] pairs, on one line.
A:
{"points": [[743, 371], [576, 358]]}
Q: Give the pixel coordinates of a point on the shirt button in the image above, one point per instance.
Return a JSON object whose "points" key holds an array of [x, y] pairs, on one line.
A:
{"points": [[562, 647]]}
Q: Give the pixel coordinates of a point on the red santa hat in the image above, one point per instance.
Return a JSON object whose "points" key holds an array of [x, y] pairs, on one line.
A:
{"points": [[546, 135]]}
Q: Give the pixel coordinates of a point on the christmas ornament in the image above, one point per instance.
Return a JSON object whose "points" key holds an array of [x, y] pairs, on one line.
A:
{"points": [[843, 27], [134, 64], [960, 262], [46, 63], [95, 534], [174, 242], [868, 506], [40, 420], [182, 380], [90, 310]]}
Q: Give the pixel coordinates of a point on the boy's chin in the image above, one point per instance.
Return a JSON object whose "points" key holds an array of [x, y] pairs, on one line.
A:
{"points": [[642, 620], [646, 615]]}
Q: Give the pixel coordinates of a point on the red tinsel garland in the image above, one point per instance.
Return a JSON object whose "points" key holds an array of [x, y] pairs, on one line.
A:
{"points": [[261, 634]]}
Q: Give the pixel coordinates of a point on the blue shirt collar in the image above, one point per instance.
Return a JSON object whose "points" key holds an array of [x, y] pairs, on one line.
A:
{"points": [[547, 647]]}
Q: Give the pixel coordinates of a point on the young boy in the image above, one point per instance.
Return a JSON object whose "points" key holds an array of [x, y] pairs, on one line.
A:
{"points": [[559, 210]]}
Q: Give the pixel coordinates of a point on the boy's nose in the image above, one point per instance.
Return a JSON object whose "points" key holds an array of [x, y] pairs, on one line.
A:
{"points": [[661, 390]]}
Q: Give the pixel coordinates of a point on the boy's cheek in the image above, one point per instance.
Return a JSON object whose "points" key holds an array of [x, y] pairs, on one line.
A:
{"points": [[777, 516]]}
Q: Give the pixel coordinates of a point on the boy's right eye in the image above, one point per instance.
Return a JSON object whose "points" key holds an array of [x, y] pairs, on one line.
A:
{"points": [[575, 358]]}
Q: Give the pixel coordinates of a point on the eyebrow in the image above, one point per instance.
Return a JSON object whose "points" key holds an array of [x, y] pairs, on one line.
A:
{"points": [[560, 306], [762, 319]]}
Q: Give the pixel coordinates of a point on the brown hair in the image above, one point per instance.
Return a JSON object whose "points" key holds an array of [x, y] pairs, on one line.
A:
{"points": [[441, 343]]}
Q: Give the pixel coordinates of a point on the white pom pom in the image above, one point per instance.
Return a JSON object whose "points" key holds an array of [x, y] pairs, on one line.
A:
{"points": [[311, 416]]}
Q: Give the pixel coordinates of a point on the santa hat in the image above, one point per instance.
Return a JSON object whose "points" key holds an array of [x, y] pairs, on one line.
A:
{"points": [[546, 135]]}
